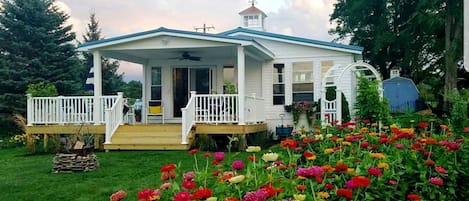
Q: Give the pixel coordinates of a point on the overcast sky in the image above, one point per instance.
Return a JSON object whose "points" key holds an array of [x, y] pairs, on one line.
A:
{"points": [[303, 18]]}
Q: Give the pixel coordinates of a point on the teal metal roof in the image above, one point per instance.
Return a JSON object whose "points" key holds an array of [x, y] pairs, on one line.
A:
{"points": [[291, 38], [162, 29]]}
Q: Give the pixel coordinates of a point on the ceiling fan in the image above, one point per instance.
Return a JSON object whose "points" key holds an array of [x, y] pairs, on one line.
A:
{"points": [[187, 56]]}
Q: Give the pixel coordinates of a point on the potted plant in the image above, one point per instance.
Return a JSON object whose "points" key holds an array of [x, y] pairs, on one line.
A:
{"points": [[299, 108]]}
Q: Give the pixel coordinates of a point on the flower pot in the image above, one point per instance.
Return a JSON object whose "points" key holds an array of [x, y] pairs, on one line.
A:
{"points": [[302, 122]]}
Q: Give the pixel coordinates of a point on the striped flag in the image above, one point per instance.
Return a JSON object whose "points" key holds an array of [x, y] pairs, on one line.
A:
{"points": [[89, 84]]}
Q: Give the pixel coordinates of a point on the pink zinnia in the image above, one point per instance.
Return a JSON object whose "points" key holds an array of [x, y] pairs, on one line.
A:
{"points": [[219, 156], [237, 165], [440, 169], [314, 171], [393, 182], [350, 184], [259, 195], [436, 180], [375, 171], [399, 146], [188, 176]]}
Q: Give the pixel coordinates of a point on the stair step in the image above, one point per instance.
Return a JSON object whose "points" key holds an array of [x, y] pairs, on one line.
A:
{"points": [[144, 134], [146, 140], [150, 128], [146, 147]]}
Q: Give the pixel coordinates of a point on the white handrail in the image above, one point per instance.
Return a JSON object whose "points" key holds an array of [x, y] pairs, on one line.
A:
{"points": [[64, 109], [216, 108], [114, 117], [188, 118]]}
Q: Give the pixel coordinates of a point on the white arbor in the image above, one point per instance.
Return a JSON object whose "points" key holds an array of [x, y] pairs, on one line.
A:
{"points": [[344, 80]]}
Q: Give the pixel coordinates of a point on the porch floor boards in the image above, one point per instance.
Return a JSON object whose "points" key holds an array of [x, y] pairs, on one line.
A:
{"points": [[146, 136]]}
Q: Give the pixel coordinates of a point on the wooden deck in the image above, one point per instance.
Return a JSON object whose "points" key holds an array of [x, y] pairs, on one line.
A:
{"points": [[145, 136]]}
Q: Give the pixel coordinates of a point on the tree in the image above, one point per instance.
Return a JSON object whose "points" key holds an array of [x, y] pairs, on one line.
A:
{"points": [[112, 81], [35, 46], [133, 89], [423, 38]]}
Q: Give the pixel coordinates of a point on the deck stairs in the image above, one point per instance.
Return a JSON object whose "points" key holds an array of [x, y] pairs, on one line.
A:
{"points": [[148, 137]]}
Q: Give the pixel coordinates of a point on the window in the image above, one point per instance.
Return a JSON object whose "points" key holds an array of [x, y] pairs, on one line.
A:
{"points": [[325, 66], [278, 84], [302, 81], [250, 21], [156, 85]]}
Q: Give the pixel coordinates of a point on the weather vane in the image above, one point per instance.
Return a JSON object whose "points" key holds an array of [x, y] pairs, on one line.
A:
{"points": [[253, 2]]}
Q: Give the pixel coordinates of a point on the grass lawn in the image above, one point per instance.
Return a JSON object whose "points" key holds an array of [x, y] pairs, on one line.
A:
{"points": [[30, 177]]}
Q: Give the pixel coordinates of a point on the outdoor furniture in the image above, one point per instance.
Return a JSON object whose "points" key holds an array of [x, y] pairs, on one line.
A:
{"points": [[155, 109]]}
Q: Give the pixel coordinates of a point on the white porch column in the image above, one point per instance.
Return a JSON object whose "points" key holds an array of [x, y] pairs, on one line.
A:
{"points": [[143, 117], [97, 87], [241, 85], [338, 108], [466, 35]]}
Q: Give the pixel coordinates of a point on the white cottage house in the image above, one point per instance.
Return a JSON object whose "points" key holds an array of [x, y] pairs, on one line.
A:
{"points": [[184, 73]]}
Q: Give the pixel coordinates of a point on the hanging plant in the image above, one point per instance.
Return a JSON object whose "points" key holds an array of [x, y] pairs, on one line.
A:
{"points": [[302, 107]]}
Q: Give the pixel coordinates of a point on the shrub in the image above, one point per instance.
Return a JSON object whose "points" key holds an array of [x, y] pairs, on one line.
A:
{"points": [[42, 89]]}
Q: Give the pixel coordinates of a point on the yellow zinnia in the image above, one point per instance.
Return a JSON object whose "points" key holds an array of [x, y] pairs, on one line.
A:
{"points": [[383, 165], [323, 195], [211, 199], [377, 155], [299, 197], [270, 157], [328, 151], [253, 149], [237, 179]]}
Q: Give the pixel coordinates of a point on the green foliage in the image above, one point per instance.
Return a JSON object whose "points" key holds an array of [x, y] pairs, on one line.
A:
{"points": [[229, 87], [133, 89], [408, 34], [369, 104], [35, 46], [42, 89], [459, 111], [205, 143], [112, 81], [427, 93]]}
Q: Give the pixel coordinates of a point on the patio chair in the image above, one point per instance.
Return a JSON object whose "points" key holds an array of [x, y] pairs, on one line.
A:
{"points": [[155, 109]]}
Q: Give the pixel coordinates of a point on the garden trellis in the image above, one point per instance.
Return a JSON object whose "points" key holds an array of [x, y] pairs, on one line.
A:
{"points": [[344, 80]]}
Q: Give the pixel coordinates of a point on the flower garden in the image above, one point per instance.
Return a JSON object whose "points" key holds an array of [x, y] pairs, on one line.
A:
{"points": [[352, 161]]}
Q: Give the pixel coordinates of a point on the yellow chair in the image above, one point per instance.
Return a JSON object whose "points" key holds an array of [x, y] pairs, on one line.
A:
{"points": [[156, 110]]}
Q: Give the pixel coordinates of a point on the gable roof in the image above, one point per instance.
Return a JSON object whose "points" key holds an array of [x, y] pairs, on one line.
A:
{"points": [[160, 31], [279, 37], [252, 10]]}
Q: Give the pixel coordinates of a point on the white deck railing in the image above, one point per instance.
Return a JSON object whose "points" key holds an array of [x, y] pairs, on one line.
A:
{"points": [[330, 109], [65, 110], [216, 108], [188, 118], [114, 117], [254, 109]]}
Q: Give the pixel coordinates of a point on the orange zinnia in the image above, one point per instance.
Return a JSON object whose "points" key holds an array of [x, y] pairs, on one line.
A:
{"points": [[288, 144]]}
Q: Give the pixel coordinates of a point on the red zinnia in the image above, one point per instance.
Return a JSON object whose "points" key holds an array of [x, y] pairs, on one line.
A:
{"points": [[329, 186], [361, 181], [301, 187], [182, 196], [341, 168], [201, 194], [288, 143], [252, 158], [440, 169], [193, 151], [413, 197], [341, 192], [423, 125], [466, 130], [188, 185], [375, 171], [436, 180], [168, 167]]}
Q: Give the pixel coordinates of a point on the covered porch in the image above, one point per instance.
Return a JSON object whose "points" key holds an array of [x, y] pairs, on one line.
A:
{"points": [[183, 75]]}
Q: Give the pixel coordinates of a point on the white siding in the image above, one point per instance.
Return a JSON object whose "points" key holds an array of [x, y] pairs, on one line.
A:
{"points": [[253, 77]]}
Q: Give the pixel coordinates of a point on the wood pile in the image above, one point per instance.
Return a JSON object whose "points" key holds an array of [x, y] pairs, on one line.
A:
{"points": [[66, 163]]}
